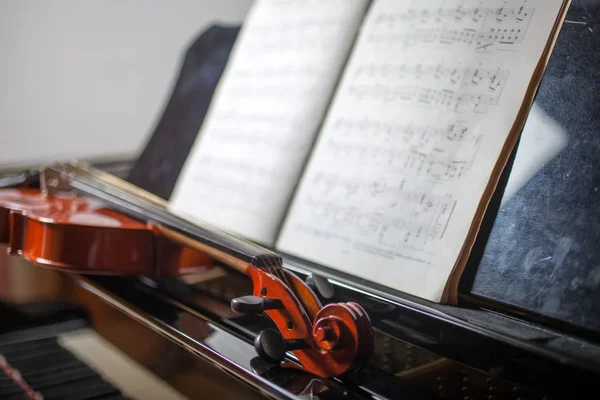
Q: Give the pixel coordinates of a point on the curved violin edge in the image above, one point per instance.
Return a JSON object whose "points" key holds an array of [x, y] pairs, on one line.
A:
{"points": [[74, 233], [103, 250]]}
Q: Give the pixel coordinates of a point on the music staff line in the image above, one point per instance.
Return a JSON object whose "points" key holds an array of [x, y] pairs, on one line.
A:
{"points": [[215, 168], [441, 152], [319, 42], [443, 86], [232, 193], [481, 28], [234, 116], [425, 97], [437, 165], [451, 77], [276, 91], [279, 72], [408, 218], [409, 133], [273, 139], [297, 26]]}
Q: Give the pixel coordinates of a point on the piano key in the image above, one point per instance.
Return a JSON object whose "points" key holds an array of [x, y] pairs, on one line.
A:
{"points": [[82, 389], [61, 376], [23, 358], [34, 363], [133, 380], [10, 389], [51, 369], [7, 348], [78, 365], [112, 397], [17, 396]]}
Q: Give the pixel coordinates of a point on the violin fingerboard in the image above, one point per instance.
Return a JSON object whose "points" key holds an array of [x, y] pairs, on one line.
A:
{"points": [[138, 203]]}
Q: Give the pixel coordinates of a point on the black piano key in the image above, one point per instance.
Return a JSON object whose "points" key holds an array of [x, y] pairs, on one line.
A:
{"points": [[45, 352], [9, 389], [32, 365], [82, 389], [60, 377], [28, 345], [32, 362], [94, 393], [52, 369], [24, 351], [17, 396], [54, 372]]}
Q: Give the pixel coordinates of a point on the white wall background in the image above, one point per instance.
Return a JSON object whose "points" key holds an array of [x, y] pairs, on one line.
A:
{"points": [[91, 78]]}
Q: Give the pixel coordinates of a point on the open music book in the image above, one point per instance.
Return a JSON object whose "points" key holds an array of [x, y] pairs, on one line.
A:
{"points": [[369, 136]]}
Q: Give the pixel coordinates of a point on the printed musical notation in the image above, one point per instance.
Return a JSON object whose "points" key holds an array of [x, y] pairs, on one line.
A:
{"points": [[457, 88], [433, 93], [373, 211], [439, 153], [265, 113], [240, 185], [482, 28], [277, 71], [297, 32], [276, 91], [273, 132]]}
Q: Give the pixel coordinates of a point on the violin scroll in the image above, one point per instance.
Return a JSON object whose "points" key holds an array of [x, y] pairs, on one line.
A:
{"points": [[327, 341], [345, 327]]}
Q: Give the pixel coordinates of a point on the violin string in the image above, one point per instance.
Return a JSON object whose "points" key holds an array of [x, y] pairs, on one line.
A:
{"points": [[123, 187], [162, 204], [120, 190], [141, 196], [272, 268], [280, 273]]}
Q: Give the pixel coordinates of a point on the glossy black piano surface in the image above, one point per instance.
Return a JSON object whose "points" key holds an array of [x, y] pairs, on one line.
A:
{"points": [[528, 321]]}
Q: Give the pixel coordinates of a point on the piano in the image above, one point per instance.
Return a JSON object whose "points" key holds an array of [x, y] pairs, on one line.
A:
{"points": [[526, 327]]}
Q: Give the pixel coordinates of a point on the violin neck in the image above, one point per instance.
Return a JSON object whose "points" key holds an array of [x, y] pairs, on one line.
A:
{"points": [[138, 203], [216, 254]]}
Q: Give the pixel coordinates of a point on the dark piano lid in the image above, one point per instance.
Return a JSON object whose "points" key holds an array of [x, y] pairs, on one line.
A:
{"points": [[542, 254]]}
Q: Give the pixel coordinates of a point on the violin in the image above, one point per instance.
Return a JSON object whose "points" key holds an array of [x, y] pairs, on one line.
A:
{"points": [[88, 221]]}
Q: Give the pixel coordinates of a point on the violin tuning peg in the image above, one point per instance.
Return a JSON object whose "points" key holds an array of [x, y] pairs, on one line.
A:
{"points": [[321, 286], [254, 304], [271, 346]]}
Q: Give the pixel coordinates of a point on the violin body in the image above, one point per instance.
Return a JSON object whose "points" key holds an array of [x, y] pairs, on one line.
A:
{"points": [[77, 234]]}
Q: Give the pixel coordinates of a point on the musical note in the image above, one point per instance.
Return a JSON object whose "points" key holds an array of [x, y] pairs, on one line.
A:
{"points": [[450, 87], [484, 29], [388, 214], [415, 137], [437, 152], [265, 113]]}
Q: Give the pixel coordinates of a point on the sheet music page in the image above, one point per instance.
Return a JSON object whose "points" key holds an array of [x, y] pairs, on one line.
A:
{"points": [[266, 111], [423, 111]]}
